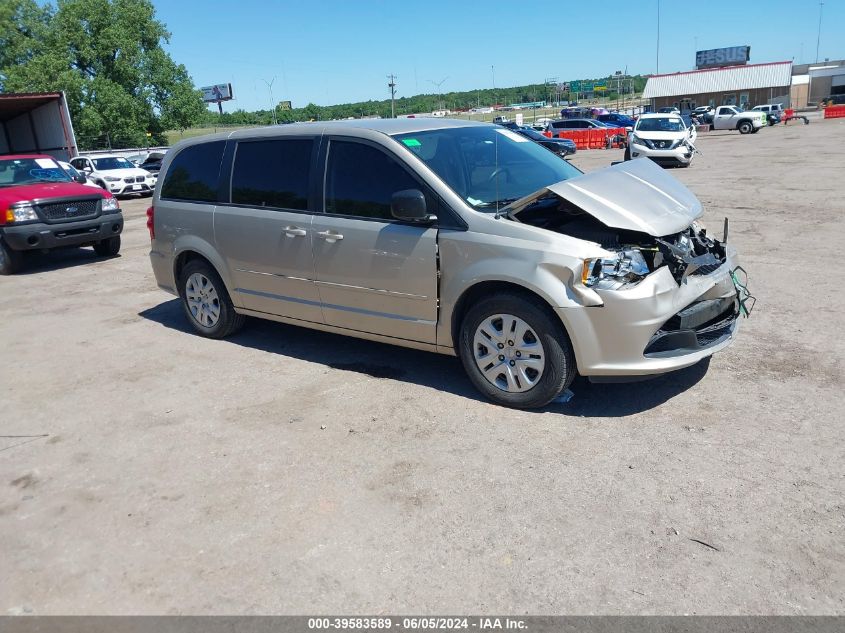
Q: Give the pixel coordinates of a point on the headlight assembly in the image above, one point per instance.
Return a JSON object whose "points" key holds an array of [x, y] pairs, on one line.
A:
{"points": [[627, 269], [109, 205], [641, 141], [111, 179], [20, 213]]}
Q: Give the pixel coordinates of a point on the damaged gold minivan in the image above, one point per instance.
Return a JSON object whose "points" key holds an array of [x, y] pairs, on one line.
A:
{"points": [[454, 237]]}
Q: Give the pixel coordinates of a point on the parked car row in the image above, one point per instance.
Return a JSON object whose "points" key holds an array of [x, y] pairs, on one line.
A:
{"points": [[562, 146], [115, 174]]}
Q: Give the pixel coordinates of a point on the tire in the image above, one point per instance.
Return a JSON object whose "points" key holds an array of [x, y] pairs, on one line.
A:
{"points": [[745, 127], [108, 247], [10, 259], [543, 336], [206, 302], [627, 154], [102, 185]]}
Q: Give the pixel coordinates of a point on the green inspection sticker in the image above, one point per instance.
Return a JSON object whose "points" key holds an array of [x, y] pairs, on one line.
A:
{"points": [[411, 142]]}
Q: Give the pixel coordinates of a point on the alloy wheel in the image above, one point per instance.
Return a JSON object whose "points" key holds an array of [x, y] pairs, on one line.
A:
{"points": [[202, 299]]}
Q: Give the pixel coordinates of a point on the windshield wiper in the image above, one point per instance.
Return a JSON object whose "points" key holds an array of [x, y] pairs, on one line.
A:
{"points": [[501, 203]]}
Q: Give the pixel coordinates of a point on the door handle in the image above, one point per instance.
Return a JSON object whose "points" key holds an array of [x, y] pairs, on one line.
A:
{"points": [[329, 236], [294, 231]]}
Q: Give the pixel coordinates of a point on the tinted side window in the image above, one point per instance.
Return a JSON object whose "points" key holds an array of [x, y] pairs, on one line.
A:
{"points": [[272, 173], [194, 172], [361, 179]]}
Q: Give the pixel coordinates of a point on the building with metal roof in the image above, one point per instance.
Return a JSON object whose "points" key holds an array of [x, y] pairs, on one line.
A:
{"points": [[747, 86]]}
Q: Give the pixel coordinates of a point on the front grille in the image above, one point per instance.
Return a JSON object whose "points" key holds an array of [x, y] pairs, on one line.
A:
{"points": [[130, 179], [70, 209], [706, 270], [709, 335]]}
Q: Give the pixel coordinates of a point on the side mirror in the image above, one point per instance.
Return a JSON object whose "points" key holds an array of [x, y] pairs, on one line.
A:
{"points": [[86, 169], [81, 178], [409, 205]]}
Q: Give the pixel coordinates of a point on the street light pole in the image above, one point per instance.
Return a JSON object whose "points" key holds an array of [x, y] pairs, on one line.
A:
{"points": [[272, 103], [657, 56], [819, 36]]}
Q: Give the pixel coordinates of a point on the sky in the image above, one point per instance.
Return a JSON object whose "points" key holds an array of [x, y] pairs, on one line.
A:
{"points": [[329, 52]]}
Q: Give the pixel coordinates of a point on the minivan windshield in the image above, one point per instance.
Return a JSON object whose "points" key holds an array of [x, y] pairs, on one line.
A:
{"points": [[28, 171], [487, 166]]}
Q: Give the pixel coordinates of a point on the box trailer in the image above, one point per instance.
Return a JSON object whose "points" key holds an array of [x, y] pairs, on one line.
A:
{"points": [[36, 123]]}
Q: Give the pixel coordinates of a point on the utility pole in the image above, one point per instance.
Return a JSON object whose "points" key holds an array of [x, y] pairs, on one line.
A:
{"points": [[819, 36], [272, 103], [392, 86]]}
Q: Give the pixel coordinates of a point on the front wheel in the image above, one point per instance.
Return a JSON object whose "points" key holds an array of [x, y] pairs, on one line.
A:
{"points": [[108, 247], [10, 259], [745, 127], [206, 302], [515, 352]]}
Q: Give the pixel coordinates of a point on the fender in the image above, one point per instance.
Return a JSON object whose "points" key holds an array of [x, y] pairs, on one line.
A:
{"points": [[200, 246]]}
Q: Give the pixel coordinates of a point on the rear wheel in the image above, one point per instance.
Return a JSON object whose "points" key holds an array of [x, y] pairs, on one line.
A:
{"points": [[515, 352], [10, 259], [206, 302], [745, 127], [108, 247]]}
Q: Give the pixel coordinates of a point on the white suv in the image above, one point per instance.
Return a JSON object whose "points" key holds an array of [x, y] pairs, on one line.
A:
{"points": [[664, 138], [115, 174]]}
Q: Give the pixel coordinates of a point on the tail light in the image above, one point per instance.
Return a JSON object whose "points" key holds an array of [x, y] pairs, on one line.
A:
{"points": [[151, 222]]}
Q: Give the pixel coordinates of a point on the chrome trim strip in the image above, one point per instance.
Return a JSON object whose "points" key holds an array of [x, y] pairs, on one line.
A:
{"points": [[330, 306], [258, 272], [392, 293]]}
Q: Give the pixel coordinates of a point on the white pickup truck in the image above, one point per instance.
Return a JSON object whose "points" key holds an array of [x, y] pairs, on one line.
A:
{"points": [[734, 118]]}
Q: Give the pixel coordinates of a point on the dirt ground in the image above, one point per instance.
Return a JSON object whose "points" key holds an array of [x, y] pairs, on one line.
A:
{"points": [[144, 469]]}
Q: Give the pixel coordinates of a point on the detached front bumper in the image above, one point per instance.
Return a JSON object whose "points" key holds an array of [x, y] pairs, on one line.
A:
{"points": [[40, 235], [681, 155], [657, 326]]}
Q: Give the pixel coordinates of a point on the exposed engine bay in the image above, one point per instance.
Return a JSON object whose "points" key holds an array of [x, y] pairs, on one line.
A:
{"points": [[689, 252]]}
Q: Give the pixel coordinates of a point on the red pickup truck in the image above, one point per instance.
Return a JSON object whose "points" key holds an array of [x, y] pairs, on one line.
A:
{"points": [[42, 208]]}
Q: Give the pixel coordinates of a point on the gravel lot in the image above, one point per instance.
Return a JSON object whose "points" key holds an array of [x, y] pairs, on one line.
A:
{"points": [[144, 469]]}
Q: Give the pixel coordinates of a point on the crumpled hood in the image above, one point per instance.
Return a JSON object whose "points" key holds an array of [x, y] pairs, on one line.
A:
{"points": [[635, 195]]}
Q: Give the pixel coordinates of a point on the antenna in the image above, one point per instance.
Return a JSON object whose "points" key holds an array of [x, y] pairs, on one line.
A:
{"points": [[819, 36], [392, 86]]}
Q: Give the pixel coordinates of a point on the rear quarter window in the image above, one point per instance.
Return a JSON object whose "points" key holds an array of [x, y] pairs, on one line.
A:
{"points": [[194, 173]]}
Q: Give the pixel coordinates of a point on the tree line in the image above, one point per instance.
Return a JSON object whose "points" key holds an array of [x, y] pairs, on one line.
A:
{"points": [[122, 88], [463, 100]]}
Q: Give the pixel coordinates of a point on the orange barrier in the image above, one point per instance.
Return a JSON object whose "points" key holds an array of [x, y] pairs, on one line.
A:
{"points": [[595, 138], [834, 112]]}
